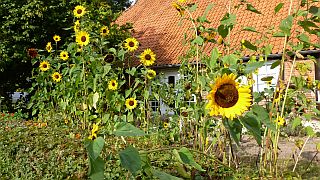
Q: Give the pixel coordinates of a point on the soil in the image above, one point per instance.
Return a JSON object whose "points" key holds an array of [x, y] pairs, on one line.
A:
{"points": [[287, 148]]}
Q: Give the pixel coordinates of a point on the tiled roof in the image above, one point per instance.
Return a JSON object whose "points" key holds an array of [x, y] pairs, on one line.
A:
{"points": [[156, 25]]}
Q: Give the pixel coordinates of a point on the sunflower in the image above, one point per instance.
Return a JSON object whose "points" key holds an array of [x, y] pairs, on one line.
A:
{"points": [[44, 66], [227, 98], [56, 76], [151, 74], [178, 8], [131, 103], [104, 31], [49, 47], [147, 57], [56, 38], [165, 125], [82, 38], [113, 85], [32, 52], [131, 44], [94, 131], [280, 121], [79, 11], [64, 55], [76, 26]]}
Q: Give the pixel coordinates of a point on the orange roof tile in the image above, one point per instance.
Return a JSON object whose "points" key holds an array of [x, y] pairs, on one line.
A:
{"points": [[156, 25]]}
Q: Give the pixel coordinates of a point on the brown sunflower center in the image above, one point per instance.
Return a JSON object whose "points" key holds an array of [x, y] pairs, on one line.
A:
{"points": [[148, 57], [113, 84], [83, 38], [44, 66], [79, 11], [226, 95], [64, 55], [150, 74], [131, 103], [104, 31], [57, 76], [131, 44]]}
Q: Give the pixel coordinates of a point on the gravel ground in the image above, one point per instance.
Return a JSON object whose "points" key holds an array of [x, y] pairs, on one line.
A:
{"points": [[249, 148]]}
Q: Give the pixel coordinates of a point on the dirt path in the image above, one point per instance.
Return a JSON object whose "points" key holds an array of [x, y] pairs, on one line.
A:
{"points": [[249, 148]]}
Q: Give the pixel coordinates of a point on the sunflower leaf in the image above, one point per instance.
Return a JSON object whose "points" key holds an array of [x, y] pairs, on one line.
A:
{"points": [[126, 129], [252, 9], [130, 159], [234, 127], [164, 176], [253, 125], [278, 7]]}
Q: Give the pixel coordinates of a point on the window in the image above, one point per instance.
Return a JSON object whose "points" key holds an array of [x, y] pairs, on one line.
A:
{"points": [[192, 100], [265, 71], [171, 80], [155, 105]]}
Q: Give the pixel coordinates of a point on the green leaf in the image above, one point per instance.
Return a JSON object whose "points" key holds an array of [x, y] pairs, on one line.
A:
{"points": [[251, 29], [164, 176], [213, 58], [198, 40], [95, 147], [230, 59], [304, 38], [278, 7], [279, 34], [252, 9], [235, 128], [251, 67], [228, 19], [223, 31], [253, 125], [275, 64], [267, 78], [209, 7], [263, 116], [286, 25], [96, 169], [249, 45], [130, 159], [95, 99], [296, 122], [309, 130], [187, 158], [127, 92], [315, 11], [268, 49], [193, 7], [127, 129]]}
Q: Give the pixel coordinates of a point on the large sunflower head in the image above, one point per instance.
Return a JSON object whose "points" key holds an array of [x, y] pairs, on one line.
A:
{"points": [[227, 98], [64, 55], [49, 47], [56, 77], [76, 26], [79, 11], [151, 74], [113, 85], [147, 57], [56, 38], [131, 44], [104, 31], [131, 103], [44, 66], [82, 38]]}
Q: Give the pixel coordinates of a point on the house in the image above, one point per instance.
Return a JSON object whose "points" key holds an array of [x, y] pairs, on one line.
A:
{"points": [[156, 26]]}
